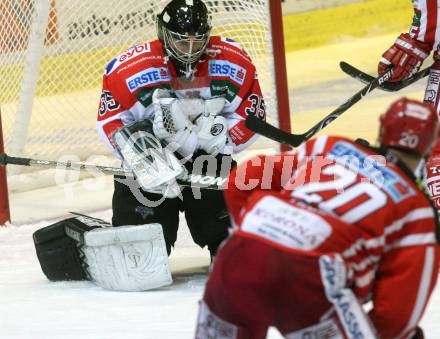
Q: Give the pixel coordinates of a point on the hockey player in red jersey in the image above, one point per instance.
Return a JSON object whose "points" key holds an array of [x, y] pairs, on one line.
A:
{"points": [[189, 90], [406, 56], [319, 232]]}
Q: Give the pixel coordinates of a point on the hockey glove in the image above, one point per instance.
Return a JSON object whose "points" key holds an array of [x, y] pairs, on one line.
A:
{"points": [[406, 56], [212, 134], [212, 128], [172, 125]]}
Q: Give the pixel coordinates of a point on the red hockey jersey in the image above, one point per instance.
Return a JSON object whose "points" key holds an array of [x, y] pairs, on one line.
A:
{"points": [[424, 26], [224, 70], [388, 231]]}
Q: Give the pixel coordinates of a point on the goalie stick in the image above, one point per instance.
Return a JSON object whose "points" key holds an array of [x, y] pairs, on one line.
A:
{"points": [[386, 86], [261, 127], [193, 181]]}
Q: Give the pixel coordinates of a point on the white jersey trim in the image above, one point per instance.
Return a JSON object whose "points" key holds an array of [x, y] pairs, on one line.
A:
{"points": [[422, 6], [100, 128], [318, 147], [366, 279], [429, 180], [417, 214], [413, 240], [362, 265], [423, 292]]}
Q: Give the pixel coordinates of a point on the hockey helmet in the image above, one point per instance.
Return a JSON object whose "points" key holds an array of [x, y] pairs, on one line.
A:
{"points": [[409, 125], [184, 27]]}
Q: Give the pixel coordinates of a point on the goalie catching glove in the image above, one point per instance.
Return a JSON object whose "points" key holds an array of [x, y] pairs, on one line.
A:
{"points": [[171, 123], [212, 128], [125, 258]]}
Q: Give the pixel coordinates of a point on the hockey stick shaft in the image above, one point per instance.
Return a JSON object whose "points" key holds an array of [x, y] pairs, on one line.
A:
{"points": [[386, 86], [261, 127], [194, 181]]}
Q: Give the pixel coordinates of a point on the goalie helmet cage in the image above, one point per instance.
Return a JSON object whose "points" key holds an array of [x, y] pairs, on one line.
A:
{"points": [[53, 54]]}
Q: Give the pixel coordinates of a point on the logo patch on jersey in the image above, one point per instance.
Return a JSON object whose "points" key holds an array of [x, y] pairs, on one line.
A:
{"points": [[287, 225], [379, 174], [223, 68], [224, 88], [216, 129], [434, 169], [147, 77], [131, 53]]}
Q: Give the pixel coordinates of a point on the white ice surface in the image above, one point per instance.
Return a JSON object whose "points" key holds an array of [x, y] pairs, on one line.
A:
{"points": [[32, 307]]}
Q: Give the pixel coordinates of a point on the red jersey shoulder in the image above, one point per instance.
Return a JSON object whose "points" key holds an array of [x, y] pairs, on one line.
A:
{"points": [[150, 54], [140, 66], [226, 58], [322, 144], [229, 47]]}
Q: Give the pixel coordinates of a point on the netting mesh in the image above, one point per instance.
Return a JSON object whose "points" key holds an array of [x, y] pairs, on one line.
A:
{"points": [[53, 54]]}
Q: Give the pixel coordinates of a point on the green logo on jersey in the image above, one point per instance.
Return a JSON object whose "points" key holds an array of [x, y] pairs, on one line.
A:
{"points": [[224, 88], [145, 95], [416, 19]]}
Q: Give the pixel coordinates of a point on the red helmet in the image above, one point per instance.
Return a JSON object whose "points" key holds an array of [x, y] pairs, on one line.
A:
{"points": [[409, 125]]}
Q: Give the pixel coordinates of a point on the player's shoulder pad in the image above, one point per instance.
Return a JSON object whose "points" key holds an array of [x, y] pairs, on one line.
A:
{"points": [[147, 52], [321, 142], [332, 144], [228, 61], [232, 42], [362, 142], [334, 141]]}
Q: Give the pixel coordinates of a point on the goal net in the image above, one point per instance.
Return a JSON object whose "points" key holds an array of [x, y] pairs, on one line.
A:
{"points": [[53, 54]]}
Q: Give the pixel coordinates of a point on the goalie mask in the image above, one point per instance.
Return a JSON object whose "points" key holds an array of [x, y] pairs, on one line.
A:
{"points": [[184, 28]]}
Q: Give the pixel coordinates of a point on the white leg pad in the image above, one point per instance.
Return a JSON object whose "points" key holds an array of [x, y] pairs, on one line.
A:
{"points": [[127, 258]]}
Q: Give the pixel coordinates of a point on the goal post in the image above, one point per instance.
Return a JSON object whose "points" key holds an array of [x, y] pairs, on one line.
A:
{"points": [[280, 69], [5, 215], [53, 54]]}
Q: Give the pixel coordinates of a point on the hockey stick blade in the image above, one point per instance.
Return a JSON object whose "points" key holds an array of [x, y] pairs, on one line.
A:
{"points": [[386, 86], [193, 181], [261, 127], [271, 132]]}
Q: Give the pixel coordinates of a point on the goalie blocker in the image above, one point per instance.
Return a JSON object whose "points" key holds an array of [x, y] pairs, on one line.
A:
{"points": [[126, 258]]}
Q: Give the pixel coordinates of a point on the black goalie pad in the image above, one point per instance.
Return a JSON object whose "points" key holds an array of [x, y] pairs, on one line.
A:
{"points": [[57, 248]]}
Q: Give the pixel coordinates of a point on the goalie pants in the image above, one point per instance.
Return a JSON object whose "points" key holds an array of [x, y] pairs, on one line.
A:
{"points": [[206, 217], [253, 285]]}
